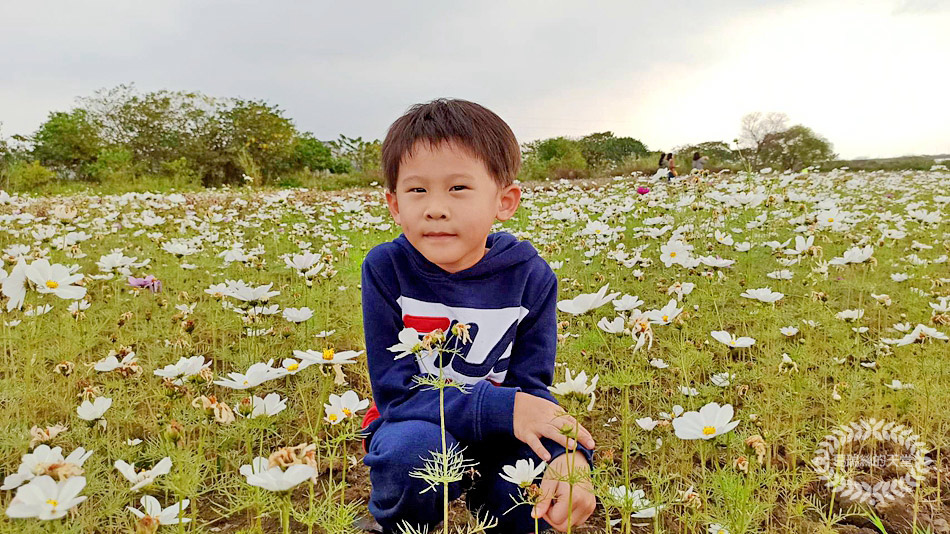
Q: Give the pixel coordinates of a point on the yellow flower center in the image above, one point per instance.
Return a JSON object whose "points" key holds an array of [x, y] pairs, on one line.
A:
{"points": [[831, 219], [293, 366], [52, 284], [672, 254], [347, 412], [666, 318], [328, 354], [52, 502], [733, 342], [246, 382], [709, 430], [332, 417]]}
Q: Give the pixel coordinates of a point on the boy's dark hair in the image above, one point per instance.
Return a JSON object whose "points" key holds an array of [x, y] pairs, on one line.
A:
{"points": [[471, 126]]}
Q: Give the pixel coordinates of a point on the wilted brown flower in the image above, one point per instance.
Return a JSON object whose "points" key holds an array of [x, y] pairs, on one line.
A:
{"points": [[741, 463], [64, 367], [39, 435], [759, 446]]}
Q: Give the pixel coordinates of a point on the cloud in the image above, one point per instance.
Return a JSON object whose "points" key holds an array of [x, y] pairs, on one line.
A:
{"points": [[669, 75]]}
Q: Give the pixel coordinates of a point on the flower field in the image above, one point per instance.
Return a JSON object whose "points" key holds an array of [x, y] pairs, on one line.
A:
{"points": [[195, 362]]}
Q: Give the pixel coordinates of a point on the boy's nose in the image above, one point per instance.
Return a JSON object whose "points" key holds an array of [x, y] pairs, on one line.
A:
{"points": [[436, 212]]}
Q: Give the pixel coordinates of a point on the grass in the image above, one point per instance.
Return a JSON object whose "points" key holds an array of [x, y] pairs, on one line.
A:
{"points": [[791, 411]]}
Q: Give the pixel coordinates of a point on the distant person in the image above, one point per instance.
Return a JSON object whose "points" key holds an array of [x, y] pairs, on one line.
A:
{"points": [[665, 167], [699, 162]]}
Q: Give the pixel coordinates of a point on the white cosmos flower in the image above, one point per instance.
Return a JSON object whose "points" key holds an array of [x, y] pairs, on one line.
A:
{"points": [[576, 386], [268, 406], [297, 315], [615, 326], [44, 498], [328, 356], [788, 330], [90, 411], [850, 315], [274, 478], [710, 421], [647, 423], [170, 515], [183, 368], [731, 340], [345, 405], [675, 251], [626, 303], [111, 363], [716, 528], [784, 274], [256, 374], [920, 334], [37, 462], [140, 479], [659, 363], [688, 391], [14, 285], [724, 238], [523, 473], [664, 315], [853, 255], [635, 501], [55, 279], [763, 294], [941, 307], [801, 245], [722, 379], [677, 411], [681, 289], [585, 302], [409, 343], [897, 385]]}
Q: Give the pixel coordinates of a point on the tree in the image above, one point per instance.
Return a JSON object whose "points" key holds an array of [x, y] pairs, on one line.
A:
{"points": [[719, 153], [794, 148], [366, 156], [603, 149], [755, 128], [67, 141]]}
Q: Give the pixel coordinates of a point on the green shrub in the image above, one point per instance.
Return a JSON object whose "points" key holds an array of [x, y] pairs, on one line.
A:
{"points": [[113, 165], [180, 174], [28, 177], [557, 157]]}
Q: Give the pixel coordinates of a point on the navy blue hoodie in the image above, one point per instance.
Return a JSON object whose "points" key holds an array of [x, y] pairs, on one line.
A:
{"points": [[509, 300]]}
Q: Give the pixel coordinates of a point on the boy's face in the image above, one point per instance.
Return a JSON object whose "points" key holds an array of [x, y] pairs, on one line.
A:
{"points": [[446, 202]]}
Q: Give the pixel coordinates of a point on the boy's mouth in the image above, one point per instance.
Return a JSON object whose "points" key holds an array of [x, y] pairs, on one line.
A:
{"points": [[438, 235]]}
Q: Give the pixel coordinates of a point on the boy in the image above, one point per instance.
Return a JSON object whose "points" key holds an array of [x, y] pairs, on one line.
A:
{"points": [[450, 166]]}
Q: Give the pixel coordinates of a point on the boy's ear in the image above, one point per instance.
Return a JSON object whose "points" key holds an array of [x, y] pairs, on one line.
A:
{"points": [[393, 205], [508, 201]]}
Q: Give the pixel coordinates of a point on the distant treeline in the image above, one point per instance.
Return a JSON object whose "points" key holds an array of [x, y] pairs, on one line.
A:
{"points": [[119, 137]]}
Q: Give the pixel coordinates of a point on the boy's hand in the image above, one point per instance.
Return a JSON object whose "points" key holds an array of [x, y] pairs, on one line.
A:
{"points": [[535, 418], [555, 486]]}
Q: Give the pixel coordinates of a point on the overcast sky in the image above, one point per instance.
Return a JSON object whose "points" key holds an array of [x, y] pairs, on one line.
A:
{"points": [[872, 76]]}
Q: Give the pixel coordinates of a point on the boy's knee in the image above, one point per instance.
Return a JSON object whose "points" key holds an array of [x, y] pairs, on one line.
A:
{"points": [[395, 450], [403, 445]]}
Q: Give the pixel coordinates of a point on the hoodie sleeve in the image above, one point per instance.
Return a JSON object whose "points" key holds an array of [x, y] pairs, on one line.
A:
{"points": [[481, 411], [533, 355]]}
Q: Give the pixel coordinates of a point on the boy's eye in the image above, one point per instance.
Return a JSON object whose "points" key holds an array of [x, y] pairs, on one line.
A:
{"points": [[417, 189], [460, 187]]}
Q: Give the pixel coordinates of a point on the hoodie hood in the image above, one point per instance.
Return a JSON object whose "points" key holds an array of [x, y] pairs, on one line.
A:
{"points": [[504, 251]]}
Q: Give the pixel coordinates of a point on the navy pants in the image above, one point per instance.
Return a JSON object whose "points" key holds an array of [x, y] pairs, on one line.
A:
{"points": [[396, 448]]}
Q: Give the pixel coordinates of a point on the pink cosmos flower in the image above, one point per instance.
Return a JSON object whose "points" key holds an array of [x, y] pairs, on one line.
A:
{"points": [[149, 282], [643, 190]]}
